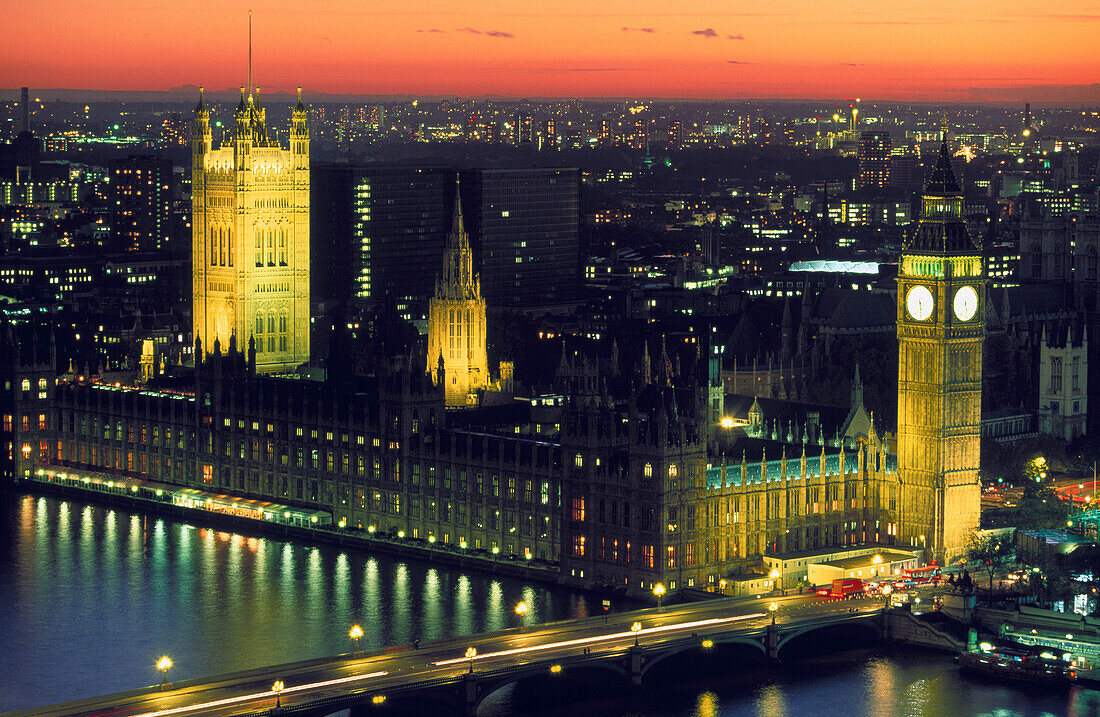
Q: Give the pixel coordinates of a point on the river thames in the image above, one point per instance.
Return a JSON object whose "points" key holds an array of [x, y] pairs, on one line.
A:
{"points": [[91, 596]]}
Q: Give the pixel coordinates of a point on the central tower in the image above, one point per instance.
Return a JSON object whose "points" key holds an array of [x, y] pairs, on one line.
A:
{"points": [[456, 320], [250, 235], [941, 326]]}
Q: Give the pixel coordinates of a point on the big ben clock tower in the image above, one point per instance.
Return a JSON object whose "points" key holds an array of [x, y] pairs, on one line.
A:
{"points": [[941, 326]]}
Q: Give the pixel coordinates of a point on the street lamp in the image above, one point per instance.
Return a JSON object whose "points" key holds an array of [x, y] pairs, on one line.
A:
{"points": [[659, 591], [521, 611], [277, 688], [164, 664], [774, 575], [773, 609], [636, 628], [355, 633], [876, 561], [471, 653]]}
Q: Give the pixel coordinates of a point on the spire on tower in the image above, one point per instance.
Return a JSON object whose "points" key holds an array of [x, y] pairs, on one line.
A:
{"points": [[250, 51], [458, 279]]}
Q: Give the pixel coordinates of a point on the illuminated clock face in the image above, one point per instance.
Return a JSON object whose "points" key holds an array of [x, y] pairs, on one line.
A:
{"points": [[919, 302], [966, 303]]}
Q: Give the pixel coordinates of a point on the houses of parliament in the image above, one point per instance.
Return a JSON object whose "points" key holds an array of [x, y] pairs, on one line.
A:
{"points": [[625, 468]]}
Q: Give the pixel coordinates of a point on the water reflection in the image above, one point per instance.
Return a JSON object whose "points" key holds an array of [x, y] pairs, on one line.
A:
{"points": [[106, 592], [706, 705]]}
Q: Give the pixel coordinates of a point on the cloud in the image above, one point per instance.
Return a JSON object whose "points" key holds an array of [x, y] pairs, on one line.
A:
{"points": [[578, 69], [434, 29], [737, 62], [852, 64], [649, 30], [708, 33], [487, 33], [738, 36]]}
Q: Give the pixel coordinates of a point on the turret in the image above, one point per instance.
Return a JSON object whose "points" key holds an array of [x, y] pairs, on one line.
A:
{"points": [[200, 133], [786, 330], [242, 134], [299, 134]]}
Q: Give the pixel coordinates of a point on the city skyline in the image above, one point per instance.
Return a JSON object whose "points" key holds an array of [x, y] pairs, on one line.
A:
{"points": [[638, 49]]}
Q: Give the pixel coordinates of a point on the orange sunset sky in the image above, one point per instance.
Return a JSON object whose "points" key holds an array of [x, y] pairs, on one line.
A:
{"points": [[879, 49]]}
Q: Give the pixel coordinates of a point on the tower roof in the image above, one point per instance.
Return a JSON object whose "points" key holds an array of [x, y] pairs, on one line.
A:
{"points": [[943, 181], [942, 229]]}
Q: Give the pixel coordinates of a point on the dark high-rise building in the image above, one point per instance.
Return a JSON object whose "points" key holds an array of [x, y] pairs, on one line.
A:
{"points": [[524, 224], [19, 160], [377, 229], [904, 171], [141, 203], [874, 160]]}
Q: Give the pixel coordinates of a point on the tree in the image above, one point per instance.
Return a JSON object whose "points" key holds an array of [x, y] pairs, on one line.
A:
{"points": [[991, 552]]}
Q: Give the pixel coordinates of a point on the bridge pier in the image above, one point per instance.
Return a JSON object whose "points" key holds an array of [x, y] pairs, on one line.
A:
{"points": [[469, 694], [771, 641], [634, 665]]}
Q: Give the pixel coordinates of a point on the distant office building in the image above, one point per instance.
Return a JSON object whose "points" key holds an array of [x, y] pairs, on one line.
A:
{"points": [[676, 133], [523, 130], [378, 229], [550, 134], [141, 202], [639, 136], [525, 229], [604, 136], [378, 118], [874, 160]]}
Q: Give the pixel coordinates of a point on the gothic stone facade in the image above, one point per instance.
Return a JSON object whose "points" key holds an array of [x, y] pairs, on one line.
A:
{"points": [[250, 236]]}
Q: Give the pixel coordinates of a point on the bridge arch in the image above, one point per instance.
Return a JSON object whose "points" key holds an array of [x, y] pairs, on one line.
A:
{"points": [[848, 629], [579, 675], [697, 647]]}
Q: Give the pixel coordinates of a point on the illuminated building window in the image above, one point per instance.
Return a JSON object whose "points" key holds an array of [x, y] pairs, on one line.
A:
{"points": [[578, 546], [578, 509], [672, 557], [578, 460], [647, 470]]}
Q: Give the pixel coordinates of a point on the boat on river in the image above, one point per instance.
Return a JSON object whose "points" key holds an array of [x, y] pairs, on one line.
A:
{"points": [[1018, 665]]}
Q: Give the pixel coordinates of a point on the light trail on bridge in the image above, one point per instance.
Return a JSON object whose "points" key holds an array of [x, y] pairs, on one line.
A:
{"points": [[599, 638], [268, 694]]}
